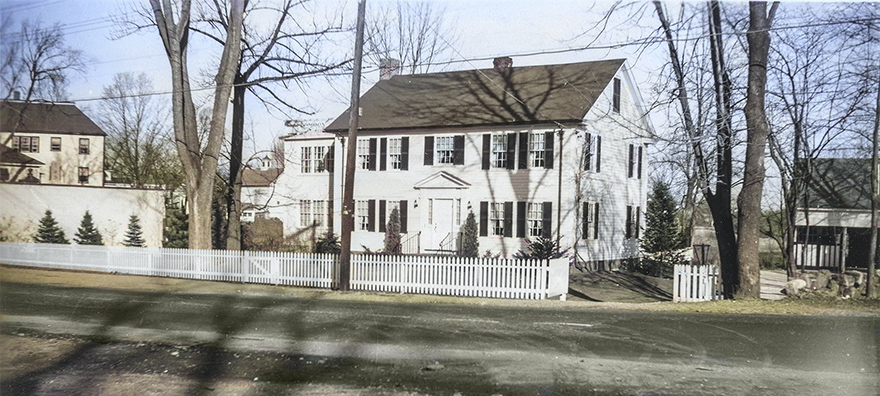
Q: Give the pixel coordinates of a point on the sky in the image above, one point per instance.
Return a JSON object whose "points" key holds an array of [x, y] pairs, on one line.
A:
{"points": [[486, 29]]}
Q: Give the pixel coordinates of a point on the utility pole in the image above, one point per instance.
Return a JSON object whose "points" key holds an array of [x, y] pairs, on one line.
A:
{"points": [[351, 155], [875, 201]]}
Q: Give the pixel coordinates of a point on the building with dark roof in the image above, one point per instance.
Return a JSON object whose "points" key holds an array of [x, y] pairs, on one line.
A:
{"points": [[555, 150], [834, 213], [66, 146]]}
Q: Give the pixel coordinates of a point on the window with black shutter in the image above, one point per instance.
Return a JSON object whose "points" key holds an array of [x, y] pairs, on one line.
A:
{"points": [[640, 161], [371, 215], [458, 150], [404, 153], [429, 150], [585, 220], [598, 153], [382, 215], [523, 162], [372, 159], [487, 151], [508, 219], [403, 217], [632, 160], [629, 222], [596, 221], [521, 219], [547, 222], [484, 218], [615, 105], [548, 150], [511, 151], [383, 154]]}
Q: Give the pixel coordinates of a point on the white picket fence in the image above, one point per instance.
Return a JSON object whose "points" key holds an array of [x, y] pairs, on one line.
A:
{"points": [[696, 283], [441, 275]]}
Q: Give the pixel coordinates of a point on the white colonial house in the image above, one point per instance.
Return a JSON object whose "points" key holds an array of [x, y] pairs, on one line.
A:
{"points": [[50, 143], [555, 150]]}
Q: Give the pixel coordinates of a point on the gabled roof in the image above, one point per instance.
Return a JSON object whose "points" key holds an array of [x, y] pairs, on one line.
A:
{"points": [[46, 117], [517, 95], [259, 178], [10, 156], [838, 183]]}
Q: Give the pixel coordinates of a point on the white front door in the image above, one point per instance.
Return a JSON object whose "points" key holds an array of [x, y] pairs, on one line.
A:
{"points": [[440, 217]]}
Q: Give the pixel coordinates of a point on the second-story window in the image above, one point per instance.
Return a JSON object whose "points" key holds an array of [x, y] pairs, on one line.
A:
{"points": [[444, 147], [306, 159], [536, 150], [592, 158], [26, 144], [363, 151], [56, 144], [394, 152], [499, 151], [318, 158], [84, 146]]}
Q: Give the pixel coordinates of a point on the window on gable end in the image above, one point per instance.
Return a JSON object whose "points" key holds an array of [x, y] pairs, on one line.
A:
{"points": [[615, 101]]}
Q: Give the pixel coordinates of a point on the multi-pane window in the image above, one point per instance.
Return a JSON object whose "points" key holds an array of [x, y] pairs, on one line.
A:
{"points": [[444, 147], [534, 219], [590, 218], [536, 150], [430, 211], [56, 144], [458, 211], [363, 151], [318, 158], [83, 175], [615, 100], [496, 218], [635, 161], [633, 218], [394, 153], [26, 144], [84, 146], [305, 213], [362, 212], [319, 212], [306, 159], [499, 151], [592, 152]]}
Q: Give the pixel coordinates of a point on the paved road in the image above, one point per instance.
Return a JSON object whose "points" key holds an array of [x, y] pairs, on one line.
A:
{"points": [[486, 348]]}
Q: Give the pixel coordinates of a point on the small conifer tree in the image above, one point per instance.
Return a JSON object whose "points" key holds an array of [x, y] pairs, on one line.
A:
{"points": [[541, 248], [470, 244], [661, 221], [327, 243], [176, 234], [88, 234], [392, 233], [49, 231], [133, 236]]}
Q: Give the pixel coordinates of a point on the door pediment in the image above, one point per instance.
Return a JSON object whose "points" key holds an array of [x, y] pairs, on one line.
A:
{"points": [[442, 180]]}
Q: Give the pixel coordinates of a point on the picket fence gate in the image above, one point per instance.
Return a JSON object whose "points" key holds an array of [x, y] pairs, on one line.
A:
{"points": [[441, 275], [696, 283]]}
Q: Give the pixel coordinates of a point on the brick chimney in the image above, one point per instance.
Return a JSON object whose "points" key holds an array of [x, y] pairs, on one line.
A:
{"points": [[503, 63], [388, 68]]}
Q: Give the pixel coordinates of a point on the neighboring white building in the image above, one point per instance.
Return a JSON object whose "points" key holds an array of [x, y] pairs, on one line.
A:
{"points": [[556, 150], [64, 145]]}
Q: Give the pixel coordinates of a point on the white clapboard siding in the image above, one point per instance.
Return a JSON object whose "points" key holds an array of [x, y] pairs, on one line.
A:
{"points": [[441, 275], [695, 283]]}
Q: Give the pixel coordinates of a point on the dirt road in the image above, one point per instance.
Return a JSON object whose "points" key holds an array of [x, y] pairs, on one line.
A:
{"points": [[60, 339]]}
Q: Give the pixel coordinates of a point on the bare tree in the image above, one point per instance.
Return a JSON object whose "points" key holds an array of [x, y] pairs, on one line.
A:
{"points": [[284, 53], [199, 162], [36, 62], [749, 216], [413, 33], [139, 148]]}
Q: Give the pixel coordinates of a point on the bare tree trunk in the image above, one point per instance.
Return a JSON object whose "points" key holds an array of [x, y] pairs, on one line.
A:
{"points": [[233, 192], [719, 201], [875, 201], [199, 166], [749, 202]]}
